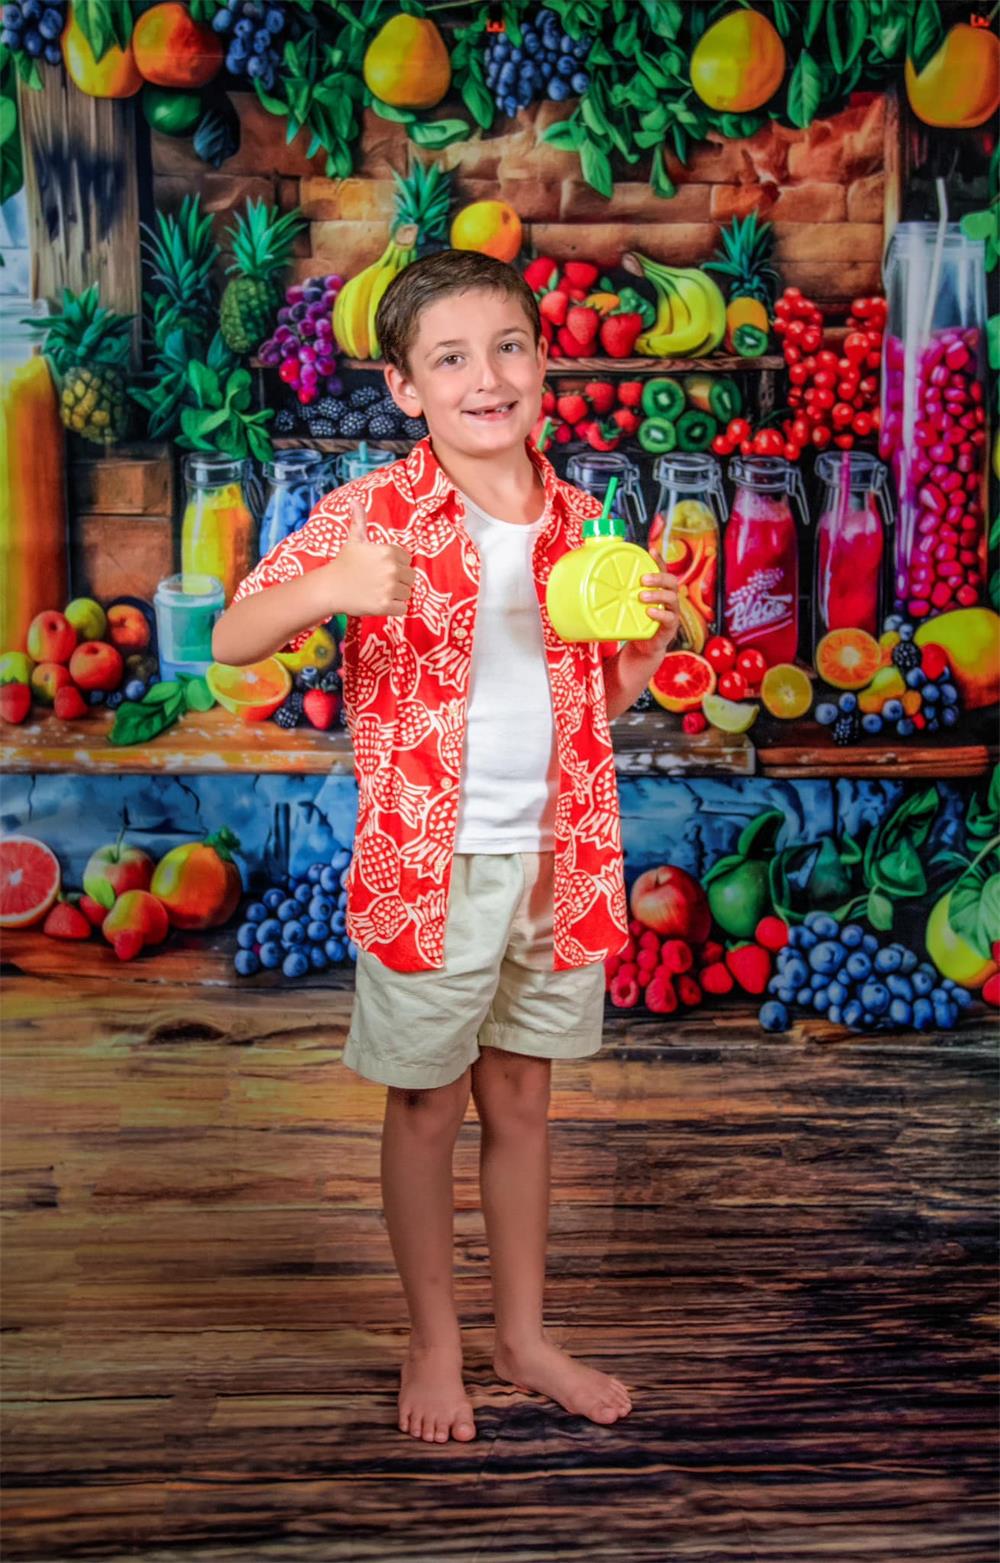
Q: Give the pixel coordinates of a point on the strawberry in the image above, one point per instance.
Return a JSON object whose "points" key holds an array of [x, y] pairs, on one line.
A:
{"points": [[572, 407], [554, 306], [676, 956], [548, 330], [583, 325], [750, 964], [772, 933], [995, 952], [711, 952], [541, 273], [661, 996], [548, 399], [603, 436], [580, 429], [15, 702], [688, 990], [127, 944], [93, 911], [577, 295], [716, 978], [991, 990], [630, 392], [66, 922], [322, 707], [627, 420], [619, 333], [69, 703], [601, 395], [564, 434], [580, 274]]}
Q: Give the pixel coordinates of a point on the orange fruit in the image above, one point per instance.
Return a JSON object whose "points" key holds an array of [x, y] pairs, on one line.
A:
{"points": [[253, 693], [848, 659], [407, 63], [114, 75], [491, 227], [171, 49], [29, 881], [959, 87], [786, 691], [738, 63], [682, 681]]}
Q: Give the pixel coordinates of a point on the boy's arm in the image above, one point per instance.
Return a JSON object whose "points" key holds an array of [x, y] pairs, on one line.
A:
{"points": [[327, 567]]}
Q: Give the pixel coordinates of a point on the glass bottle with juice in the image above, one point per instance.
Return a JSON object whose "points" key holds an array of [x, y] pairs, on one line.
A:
{"points": [[850, 543], [761, 558], [685, 530], [218, 529]]}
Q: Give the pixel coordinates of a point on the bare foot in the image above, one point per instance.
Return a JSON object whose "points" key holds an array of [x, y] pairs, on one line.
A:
{"points": [[433, 1404], [551, 1371]]}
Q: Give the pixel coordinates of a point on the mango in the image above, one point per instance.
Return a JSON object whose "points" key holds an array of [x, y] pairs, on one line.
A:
{"points": [[970, 637]]}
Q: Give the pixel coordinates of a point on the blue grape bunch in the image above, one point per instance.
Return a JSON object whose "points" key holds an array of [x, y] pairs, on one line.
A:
{"points": [[299, 925], [546, 64], [254, 29], [845, 974], [34, 27]]}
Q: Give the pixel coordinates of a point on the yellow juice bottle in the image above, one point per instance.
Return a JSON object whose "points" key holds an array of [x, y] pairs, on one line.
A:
{"points": [[593, 592]]}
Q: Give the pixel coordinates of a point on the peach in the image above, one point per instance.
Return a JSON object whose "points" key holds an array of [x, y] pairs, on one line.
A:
{"points": [[51, 637], [128, 627], [46, 679], [136, 919], [96, 665]]}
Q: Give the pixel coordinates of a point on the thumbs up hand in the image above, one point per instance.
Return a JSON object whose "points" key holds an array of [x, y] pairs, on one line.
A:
{"points": [[369, 578]]}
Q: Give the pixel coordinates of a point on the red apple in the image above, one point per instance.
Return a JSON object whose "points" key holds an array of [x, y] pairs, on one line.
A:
{"points": [[96, 665], [47, 678], [671, 902], [128, 628], [51, 637], [114, 869]]}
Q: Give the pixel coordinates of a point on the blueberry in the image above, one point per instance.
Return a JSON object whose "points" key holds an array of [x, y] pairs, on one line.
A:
{"points": [[908, 962], [851, 935], [352, 950], [931, 694], [581, 48], [949, 694], [806, 939], [921, 982], [338, 922], [839, 993], [962, 997], [905, 727], [566, 66], [825, 714], [11, 16], [804, 998], [818, 979], [558, 90], [255, 67], [858, 965], [893, 710], [134, 689], [31, 10], [848, 701], [271, 953], [275, 20], [579, 82], [246, 936], [945, 1016], [246, 963], [334, 951], [773, 1017], [293, 932], [222, 21], [317, 957], [949, 715], [501, 48], [821, 1000], [316, 931], [869, 943], [269, 928], [330, 878], [303, 893], [826, 956], [795, 970], [774, 983], [835, 1014], [273, 898], [901, 1012], [115, 699], [871, 722], [343, 879], [906, 631], [51, 24], [516, 54], [893, 622], [235, 60], [320, 906], [888, 959], [295, 963], [823, 925], [916, 678], [875, 997], [256, 912], [899, 987], [10, 39], [53, 53], [853, 1010], [287, 909]]}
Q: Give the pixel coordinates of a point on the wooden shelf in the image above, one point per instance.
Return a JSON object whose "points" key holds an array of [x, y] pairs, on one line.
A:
{"points": [[646, 744]]}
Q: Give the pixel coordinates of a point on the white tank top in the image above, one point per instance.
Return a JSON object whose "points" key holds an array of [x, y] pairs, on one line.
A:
{"points": [[510, 765]]}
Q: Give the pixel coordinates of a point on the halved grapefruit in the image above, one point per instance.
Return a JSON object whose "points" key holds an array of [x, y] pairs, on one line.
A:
{"points": [[253, 693], [682, 681], [848, 658], [29, 881]]}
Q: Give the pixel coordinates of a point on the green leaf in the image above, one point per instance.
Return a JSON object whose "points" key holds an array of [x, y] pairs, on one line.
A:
{"points": [[660, 181], [478, 101], [439, 133], [596, 168], [103, 23], [926, 33], [197, 695], [204, 383], [782, 17], [974, 907], [901, 872], [857, 30], [758, 838], [721, 866], [813, 18], [833, 40], [140, 721], [665, 17], [804, 91], [388, 111], [880, 912]]}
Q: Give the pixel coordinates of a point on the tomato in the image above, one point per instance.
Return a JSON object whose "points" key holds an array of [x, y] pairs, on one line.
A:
{"points": [[856, 347], [841, 415], [845, 441], [800, 430], [733, 685], [795, 330], [753, 665], [823, 398], [868, 386], [791, 451], [862, 423], [798, 374], [769, 442], [737, 429], [826, 359], [825, 379], [720, 653], [820, 436], [791, 352], [721, 446], [812, 336]]}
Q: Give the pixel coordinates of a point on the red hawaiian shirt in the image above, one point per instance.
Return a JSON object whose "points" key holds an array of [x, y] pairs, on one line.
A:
{"points": [[406, 683]]}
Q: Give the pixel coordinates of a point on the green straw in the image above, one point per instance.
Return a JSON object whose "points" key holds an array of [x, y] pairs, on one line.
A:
{"points": [[543, 438], [609, 498], [363, 451]]}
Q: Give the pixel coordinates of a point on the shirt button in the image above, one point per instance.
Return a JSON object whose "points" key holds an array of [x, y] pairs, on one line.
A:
{"points": [[460, 634], [447, 784]]}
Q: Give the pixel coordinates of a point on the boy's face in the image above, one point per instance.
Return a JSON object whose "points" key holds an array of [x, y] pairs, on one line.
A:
{"points": [[472, 351]]}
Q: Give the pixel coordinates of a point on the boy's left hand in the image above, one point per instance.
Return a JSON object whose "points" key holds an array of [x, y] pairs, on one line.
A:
{"points": [[660, 594]]}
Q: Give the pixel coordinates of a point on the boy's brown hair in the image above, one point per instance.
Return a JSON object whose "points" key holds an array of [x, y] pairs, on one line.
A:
{"points": [[434, 277]]}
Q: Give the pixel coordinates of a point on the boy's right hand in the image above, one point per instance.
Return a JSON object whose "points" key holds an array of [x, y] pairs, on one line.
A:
{"points": [[369, 578]]}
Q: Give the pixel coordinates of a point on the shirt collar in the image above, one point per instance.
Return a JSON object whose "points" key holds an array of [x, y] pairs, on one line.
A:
{"points": [[430, 486]]}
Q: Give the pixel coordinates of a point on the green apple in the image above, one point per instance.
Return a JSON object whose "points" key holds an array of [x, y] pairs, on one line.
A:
{"points": [[16, 667], [87, 617]]}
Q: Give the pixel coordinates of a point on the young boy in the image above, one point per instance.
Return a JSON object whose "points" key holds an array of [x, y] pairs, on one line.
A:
{"points": [[486, 887]]}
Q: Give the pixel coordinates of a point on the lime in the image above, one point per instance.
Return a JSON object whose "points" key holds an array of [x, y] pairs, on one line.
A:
{"points": [[730, 716], [738, 900], [170, 112]]}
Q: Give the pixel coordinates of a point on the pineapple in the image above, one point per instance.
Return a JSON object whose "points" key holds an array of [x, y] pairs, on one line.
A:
{"points": [[743, 258], [262, 245], [182, 256], [89, 348]]}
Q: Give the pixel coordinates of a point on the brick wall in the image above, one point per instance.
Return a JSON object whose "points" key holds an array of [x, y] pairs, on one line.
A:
{"points": [[823, 188]]}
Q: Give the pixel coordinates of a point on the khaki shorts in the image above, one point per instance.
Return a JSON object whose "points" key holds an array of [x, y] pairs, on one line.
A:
{"points": [[496, 989]]}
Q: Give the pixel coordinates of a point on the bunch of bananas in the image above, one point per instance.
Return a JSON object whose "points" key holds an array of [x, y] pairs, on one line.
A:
{"points": [[690, 310], [359, 298]]}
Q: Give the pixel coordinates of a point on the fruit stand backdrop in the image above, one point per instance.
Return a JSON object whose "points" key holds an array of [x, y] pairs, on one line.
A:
{"points": [[764, 242]]}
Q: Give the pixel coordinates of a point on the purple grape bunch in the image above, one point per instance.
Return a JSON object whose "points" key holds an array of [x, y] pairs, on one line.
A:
{"points": [[34, 27], [253, 32], [302, 347]]}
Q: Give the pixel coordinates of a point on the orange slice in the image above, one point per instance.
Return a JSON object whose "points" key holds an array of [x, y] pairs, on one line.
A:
{"points": [[786, 691], [253, 693], [848, 658], [682, 681]]}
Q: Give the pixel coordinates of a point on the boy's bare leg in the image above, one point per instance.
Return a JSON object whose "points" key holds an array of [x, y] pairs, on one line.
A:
{"points": [[511, 1092], [418, 1142]]}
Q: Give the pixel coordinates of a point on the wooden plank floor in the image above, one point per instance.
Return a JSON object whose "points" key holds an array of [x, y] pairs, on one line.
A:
{"points": [[784, 1246]]}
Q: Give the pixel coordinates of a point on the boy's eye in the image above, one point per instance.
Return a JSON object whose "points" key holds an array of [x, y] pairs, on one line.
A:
{"points": [[449, 356]]}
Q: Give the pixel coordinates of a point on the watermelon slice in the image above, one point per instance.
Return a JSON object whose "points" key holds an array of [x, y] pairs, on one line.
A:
{"points": [[29, 881]]}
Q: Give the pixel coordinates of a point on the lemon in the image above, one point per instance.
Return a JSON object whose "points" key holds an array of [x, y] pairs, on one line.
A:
{"points": [[406, 64], [786, 691], [491, 227], [730, 716], [317, 652]]}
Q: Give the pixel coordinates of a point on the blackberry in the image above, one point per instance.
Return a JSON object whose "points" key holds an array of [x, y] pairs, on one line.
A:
{"points": [[363, 396], [414, 428], [906, 655], [286, 717], [352, 425], [643, 701], [381, 427], [845, 728], [330, 407], [322, 428], [330, 682], [284, 421]]}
